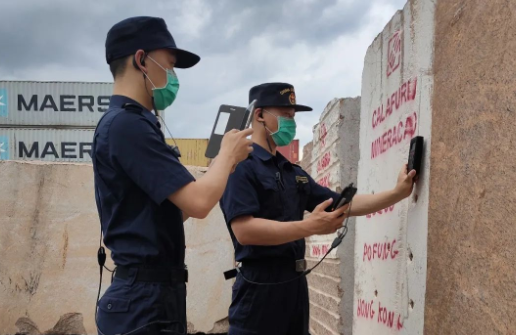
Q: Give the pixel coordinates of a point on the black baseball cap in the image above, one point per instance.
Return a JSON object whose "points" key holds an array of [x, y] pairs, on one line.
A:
{"points": [[276, 95], [146, 33]]}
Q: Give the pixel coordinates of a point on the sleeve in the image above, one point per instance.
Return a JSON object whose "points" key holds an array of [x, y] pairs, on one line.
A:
{"points": [[241, 196], [319, 194], [141, 153]]}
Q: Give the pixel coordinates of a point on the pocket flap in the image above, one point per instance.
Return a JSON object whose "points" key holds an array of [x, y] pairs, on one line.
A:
{"points": [[114, 305]]}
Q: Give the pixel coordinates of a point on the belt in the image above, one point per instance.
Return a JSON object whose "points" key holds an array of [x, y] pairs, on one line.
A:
{"points": [[153, 275], [270, 264]]}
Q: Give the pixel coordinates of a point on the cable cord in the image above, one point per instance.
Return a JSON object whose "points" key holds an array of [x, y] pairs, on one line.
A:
{"points": [[338, 240]]}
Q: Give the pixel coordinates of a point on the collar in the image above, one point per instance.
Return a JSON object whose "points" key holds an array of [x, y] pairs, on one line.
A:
{"points": [[264, 155], [119, 101], [261, 153]]}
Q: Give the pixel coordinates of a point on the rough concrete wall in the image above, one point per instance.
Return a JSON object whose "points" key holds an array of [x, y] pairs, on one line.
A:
{"points": [[334, 160], [391, 249], [306, 162], [49, 234], [349, 154], [471, 281]]}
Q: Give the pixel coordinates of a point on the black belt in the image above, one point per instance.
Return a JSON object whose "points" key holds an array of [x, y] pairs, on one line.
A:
{"points": [[152, 275], [270, 264]]}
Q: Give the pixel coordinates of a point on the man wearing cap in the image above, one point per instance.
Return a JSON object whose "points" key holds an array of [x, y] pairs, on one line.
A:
{"points": [[143, 192], [263, 206]]}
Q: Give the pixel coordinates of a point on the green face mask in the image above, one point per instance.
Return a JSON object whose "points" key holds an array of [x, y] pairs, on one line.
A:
{"points": [[165, 96], [286, 130]]}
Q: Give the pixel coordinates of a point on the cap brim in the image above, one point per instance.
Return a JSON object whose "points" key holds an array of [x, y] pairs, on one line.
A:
{"points": [[302, 108], [185, 59], [297, 108]]}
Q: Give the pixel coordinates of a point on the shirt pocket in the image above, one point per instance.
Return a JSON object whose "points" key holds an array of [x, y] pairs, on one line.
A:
{"points": [[271, 198]]}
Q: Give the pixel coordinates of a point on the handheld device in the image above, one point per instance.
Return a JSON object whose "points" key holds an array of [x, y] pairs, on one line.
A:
{"points": [[415, 154], [346, 196], [228, 118], [249, 112]]}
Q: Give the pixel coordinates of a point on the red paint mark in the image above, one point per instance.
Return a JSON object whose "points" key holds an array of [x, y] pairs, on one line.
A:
{"points": [[319, 250], [400, 324], [365, 309], [394, 53], [324, 162], [325, 248], [393, 137], [405, 93], [386, 317], [322, 135], [381, 251], [316, 250], [381, 212], [324, 181]]}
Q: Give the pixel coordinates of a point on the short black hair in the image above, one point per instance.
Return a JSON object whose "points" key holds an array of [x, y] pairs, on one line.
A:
{"points": [[118, 66]]}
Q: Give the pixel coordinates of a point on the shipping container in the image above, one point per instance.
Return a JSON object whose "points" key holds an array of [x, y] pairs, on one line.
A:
{"points": [[192, 150], [291, 151], [29, 103], [57, 145]]}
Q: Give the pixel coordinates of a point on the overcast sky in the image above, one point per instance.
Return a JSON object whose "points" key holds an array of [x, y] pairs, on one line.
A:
{"points": [[316, 45]]}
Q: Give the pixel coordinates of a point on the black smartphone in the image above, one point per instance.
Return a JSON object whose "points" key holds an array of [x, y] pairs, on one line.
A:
{"points": [[415, 154], [346, 196]]}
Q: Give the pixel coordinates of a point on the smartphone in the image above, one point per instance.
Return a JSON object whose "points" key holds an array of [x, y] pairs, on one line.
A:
{"points": [[249, 113], [346, 196], [415, 155]]}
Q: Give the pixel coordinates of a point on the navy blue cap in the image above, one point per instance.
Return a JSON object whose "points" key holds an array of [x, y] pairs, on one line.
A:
{"points": [[276, 95], [146, 33]]}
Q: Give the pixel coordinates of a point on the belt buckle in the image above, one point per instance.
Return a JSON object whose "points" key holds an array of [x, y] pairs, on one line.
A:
{"points": [[300, 265]]}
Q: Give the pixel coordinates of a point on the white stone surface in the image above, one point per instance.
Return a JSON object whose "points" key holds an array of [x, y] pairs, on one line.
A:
{"points": [[384, 285], [49, 235]]}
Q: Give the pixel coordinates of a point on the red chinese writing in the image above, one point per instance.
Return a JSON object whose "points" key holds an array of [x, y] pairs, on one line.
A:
{"points": [[381, 251], [405, 93], [380, 212], [366, 310], [323, 162], [394, 136]]}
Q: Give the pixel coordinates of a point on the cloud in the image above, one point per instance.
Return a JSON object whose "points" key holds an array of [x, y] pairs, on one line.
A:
{"points": [[317, 45]]}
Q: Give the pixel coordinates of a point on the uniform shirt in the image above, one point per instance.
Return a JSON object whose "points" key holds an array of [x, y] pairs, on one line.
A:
{"points": [[135, 172], [271, 188]]}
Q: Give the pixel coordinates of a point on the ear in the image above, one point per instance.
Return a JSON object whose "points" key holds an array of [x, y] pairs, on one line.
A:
{"points": [[258, 115], [139, 60]]}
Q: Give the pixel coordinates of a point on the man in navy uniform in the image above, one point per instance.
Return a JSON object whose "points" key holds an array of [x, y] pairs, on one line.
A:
{"points": [[143, 192], [263, 206]]}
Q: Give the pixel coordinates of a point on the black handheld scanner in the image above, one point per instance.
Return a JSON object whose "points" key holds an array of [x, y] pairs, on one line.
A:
{"points": [[346, 196]]}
